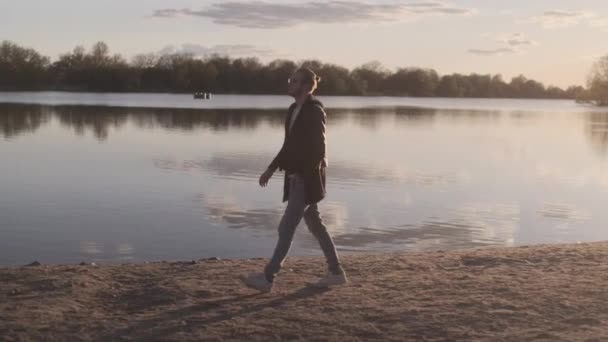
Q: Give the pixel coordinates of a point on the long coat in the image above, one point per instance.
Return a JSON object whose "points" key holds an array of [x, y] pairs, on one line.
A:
{"points": [[304, 150]]}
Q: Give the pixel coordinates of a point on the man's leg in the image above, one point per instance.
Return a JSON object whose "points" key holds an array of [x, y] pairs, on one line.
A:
{"points": [[313, 220], [287, 228]]}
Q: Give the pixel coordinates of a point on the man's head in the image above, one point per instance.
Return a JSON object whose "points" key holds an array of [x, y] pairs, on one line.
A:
{"points": [[303, 82]]}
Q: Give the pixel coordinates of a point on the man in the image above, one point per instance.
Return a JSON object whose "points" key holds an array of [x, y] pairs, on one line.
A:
{"points": [[303, 159]]}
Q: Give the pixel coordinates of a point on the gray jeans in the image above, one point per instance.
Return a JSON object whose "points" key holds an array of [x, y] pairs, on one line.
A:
{"points": [[295, 211]]}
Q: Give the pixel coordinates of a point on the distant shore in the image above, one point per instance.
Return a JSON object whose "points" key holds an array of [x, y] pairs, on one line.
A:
{"points": [[364, 104], [546, 292], [282, 93]]}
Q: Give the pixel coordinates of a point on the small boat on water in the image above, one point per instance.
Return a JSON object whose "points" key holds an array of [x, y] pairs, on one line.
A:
{"points": [[202, 96]]}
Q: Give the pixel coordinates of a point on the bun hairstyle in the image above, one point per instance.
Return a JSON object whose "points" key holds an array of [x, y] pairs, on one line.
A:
{"points": [[309, 77]]}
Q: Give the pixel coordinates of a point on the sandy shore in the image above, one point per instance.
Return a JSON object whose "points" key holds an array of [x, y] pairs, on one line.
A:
{"points": [[551, 293]]}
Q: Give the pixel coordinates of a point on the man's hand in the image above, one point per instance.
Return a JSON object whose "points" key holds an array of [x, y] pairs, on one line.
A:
{"points": [[265, 177]]}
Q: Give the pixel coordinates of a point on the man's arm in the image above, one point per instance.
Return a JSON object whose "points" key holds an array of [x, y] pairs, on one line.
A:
{"points": [[276, 162], [316, 154], [274, 165]]}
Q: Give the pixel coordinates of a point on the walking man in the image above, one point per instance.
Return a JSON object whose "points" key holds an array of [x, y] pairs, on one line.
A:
{"points": [[303, 158]]}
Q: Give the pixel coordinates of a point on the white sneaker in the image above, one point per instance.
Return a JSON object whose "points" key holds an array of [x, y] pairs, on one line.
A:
{"points": [[330, 279], [257, 281]]}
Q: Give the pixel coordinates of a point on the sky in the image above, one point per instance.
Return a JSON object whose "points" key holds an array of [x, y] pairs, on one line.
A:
{"points": [[552, 41]]}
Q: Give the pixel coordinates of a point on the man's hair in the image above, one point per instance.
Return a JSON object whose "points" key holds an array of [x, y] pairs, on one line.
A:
{"points": [[309, 77]]}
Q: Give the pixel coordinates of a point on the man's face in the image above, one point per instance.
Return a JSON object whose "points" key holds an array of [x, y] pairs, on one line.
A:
{"points": [[296, 85]]}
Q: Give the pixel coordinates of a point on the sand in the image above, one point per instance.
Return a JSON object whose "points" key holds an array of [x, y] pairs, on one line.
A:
{"points": [[541, 293]]}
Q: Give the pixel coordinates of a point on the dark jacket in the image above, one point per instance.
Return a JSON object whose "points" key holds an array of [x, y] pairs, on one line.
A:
{"points": [[303, 151]]}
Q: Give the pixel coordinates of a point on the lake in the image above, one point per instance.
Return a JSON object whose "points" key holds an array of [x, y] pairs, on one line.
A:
{"points": [[140, 177]]}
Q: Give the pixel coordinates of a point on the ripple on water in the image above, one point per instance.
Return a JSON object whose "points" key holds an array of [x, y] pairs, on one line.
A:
{"points": [[471, 225], [565, 212]]}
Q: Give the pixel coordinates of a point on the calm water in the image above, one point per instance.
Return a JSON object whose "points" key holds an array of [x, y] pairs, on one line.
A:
{"points": [[109, 184]]}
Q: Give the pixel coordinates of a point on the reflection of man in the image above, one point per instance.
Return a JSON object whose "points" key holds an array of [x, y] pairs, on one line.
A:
{"points": [[303, 159]]}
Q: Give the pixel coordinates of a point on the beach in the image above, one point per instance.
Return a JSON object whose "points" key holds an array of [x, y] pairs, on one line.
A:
{"points": [[540, 293]]}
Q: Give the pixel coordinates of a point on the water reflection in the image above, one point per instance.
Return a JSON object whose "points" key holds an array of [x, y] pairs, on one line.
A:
{"points": [[564, 212], [224, 210], [371, 118], [472, 225], [91, 247], [235, 166], [125, 249], [474, 116], [17, 119], [217, 120], [597, 130], [95, 249], [437, 235], [400, 178], [98, 120], [228, 166]]}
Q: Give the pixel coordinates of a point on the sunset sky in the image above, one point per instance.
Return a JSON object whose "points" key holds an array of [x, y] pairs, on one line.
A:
{"points": [[553, 41]]}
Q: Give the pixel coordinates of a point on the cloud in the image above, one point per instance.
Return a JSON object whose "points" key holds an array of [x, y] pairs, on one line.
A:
{"points": [[223, 50], [266, 15], [599, 22], [552, 19], [517, 39], [512, 43], [165, 13], [491, 52], [560, 18]]}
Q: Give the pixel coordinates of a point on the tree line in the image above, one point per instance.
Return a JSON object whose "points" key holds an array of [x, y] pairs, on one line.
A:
{"points": [[98, 70], [597, 84]]}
